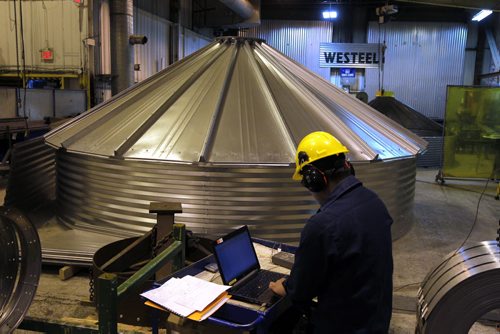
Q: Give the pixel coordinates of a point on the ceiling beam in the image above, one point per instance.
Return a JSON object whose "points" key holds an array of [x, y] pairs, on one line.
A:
{"points": [[477, 4]]}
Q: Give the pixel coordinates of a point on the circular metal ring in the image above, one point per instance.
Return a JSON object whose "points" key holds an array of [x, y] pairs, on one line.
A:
{"points": [[20, 267], [457, 292]]}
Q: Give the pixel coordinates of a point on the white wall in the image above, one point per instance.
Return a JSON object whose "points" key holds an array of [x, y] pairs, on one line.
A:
{"points": [[154, 55], [58, 24], [421, 60]]}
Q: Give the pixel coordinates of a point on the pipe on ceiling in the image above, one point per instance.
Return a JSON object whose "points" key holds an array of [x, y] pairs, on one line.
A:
{"points": [[122, 52], [241, 7]]}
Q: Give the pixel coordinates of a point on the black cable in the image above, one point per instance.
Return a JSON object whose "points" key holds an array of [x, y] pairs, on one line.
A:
{"points": [[380, 53], [23, 58], [477, 212], [17, 41], [468, 235], [382, 58], [17, 58], [449, 186]]}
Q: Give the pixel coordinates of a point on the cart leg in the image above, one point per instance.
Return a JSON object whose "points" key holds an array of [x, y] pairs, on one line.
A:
{"points": [[439, 177]]}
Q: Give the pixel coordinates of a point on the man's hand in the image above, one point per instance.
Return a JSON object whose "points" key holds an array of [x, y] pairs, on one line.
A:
{"points": [[278, 287]]}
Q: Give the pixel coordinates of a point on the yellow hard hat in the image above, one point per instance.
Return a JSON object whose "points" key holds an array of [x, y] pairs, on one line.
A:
{"points": [[315, 146]]}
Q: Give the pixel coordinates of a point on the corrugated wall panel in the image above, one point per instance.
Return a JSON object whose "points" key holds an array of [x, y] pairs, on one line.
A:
{"points": [[420, 61], [31, 182], [298, 40], [8, 33], [60, 25], [113, 195], [193, 42], [153, 56], [433, 155]]}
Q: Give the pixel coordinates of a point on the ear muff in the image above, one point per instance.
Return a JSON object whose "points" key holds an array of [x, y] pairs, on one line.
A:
{"points": [[313, 178], [350, 167]]}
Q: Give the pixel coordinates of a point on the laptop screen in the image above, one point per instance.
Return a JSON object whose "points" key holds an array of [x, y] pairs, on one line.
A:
{"points": [[235, 255]]}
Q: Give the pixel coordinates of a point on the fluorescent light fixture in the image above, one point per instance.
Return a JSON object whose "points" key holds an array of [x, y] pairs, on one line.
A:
{"points": [[329, 14], [481, 15]]}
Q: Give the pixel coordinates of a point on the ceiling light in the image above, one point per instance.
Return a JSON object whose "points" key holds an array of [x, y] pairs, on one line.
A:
{"points": [[329, 14], [481, 15]]}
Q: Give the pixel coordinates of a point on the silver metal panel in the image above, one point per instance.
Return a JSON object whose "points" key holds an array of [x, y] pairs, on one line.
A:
{"points": [[217, 132], [261, 135], [298, 40], [366, 132], [104, 122], [39, 103], [32, 179], [69, 102], [235, 101], [186, 120], [113, 195], [425, 56], [154, 55]]}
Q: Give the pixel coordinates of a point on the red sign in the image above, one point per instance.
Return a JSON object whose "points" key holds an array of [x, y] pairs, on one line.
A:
{"points": [[47, 55]]}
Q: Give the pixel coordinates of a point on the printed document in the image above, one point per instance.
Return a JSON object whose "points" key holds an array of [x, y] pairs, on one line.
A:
{"points": [[186, 295]]}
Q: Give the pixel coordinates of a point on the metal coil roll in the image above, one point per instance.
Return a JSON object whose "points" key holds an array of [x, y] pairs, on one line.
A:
{"points": [[20, 266], [464, 287]]}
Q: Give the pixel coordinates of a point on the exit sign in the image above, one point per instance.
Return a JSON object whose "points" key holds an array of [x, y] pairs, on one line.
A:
{"points": [[47, 55]]}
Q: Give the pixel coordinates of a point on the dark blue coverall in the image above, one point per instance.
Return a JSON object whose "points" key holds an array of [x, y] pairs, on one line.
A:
{"points": [[345, 259]]}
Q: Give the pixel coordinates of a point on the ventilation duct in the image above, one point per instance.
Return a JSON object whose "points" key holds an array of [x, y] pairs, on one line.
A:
{"points": [[241, 7], [248, 11], [122, 52]]}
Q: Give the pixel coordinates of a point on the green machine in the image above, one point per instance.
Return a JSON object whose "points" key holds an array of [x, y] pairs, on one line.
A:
{"points": [[472, 133]]}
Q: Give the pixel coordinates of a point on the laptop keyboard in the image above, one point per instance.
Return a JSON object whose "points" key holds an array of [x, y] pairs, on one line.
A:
{"points": [[256, 286]]}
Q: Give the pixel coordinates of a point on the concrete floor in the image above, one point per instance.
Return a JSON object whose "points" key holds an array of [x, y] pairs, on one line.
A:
{"points": [[444, 217]]}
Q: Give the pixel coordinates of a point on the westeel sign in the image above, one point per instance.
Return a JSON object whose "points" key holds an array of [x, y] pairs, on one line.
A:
{"points": [[352, 55]]}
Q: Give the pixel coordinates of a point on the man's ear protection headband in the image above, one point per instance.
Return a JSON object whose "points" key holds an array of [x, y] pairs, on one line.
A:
{"points": [[315, 179]]}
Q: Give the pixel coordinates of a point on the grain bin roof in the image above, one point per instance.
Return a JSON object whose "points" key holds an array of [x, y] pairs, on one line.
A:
{"points": [[235, 101]]}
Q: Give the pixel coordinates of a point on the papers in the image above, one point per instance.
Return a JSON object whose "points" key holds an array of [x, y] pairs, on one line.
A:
{"points": [[210, 309], [189, 296]]}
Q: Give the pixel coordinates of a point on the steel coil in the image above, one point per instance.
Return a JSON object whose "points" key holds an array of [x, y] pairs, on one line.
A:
{"points": [[464, 287], [20, 266]]}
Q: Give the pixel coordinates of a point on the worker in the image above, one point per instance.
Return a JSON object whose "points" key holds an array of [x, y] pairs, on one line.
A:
{"points": [[344, 257]]}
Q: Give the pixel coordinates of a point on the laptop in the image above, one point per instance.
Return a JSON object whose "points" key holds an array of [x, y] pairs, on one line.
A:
{"points": [[239, 267]]}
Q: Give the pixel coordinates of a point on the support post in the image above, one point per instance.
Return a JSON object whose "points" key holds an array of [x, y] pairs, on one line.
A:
{"points": [[165, 220], [179, 234], [107, 285]]}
